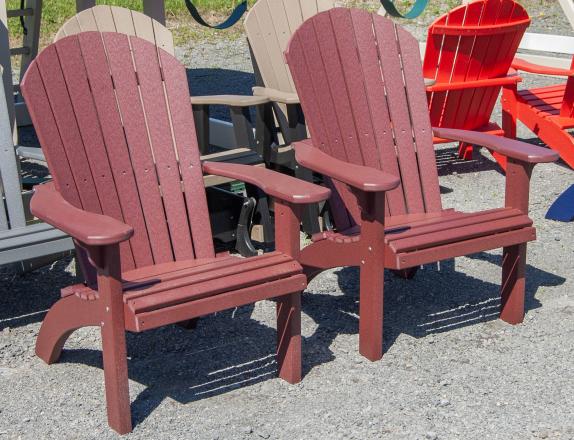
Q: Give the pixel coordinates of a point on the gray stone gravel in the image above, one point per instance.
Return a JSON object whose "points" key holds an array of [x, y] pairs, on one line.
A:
{"points": [[451, 370]]}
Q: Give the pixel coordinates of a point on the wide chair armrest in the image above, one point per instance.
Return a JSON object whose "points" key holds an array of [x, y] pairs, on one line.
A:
{"points": [[280, 186], [275, 95], [363, 178], [91, 229], [229, 100], [507, 147], [526, 66]]}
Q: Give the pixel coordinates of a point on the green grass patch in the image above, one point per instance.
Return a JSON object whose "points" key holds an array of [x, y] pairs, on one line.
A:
{"points": [[56, 12]]}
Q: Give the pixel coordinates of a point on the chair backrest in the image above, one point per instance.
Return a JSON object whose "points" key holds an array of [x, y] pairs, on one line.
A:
{"points": [[113, 116], [104, 18], [474, 41], [269, 24], [359, 79], [12, 208]]}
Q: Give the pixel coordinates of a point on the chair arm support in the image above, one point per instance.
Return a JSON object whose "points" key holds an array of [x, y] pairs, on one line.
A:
{"points": [[526, 66], [90, 229], [363, 178], [504, 81], [283, 187], [229, 100], [508, 147], [275, 95]]}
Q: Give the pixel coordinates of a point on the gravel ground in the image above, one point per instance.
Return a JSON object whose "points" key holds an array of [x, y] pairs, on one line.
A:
{"points": [[451, 370]]}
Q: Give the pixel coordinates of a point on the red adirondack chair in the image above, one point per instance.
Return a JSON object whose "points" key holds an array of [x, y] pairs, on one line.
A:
{"points": [[469, 51], [360, 82], [547, 111], [136, 205]]}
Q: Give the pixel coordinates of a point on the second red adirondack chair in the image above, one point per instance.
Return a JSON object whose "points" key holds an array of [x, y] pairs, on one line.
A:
{"points": [[469, 51], [360, 82], [115, 122], [547, 111]]}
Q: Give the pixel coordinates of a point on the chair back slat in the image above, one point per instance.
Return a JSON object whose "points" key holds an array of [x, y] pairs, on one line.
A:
{"points": [[134, 134], [360, 82]]}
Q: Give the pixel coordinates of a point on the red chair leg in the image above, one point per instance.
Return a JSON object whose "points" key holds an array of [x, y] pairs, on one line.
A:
{"points": [[114, 341], [371, 312], [116, 378], [513, 284], [465, 151], [64, 317], [289, 337]]}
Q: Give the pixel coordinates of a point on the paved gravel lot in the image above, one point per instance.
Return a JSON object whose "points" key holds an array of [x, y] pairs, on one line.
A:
{"points": [[451, 370]]}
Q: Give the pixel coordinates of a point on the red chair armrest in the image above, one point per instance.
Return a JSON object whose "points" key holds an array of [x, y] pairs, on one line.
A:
{"points": [[366, 179], [490, 82], [281, 186], [526, 66], [91, 229], [508, 147]]}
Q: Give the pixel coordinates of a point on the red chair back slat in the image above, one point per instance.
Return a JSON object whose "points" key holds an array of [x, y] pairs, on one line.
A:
{"points": [[471, 42], [567, 107], [364, 105], [135, 157]]}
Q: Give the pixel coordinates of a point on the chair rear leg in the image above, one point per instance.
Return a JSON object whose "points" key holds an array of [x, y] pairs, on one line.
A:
{"points": [[465, 151], [513, 283], [289, 337], [63, 318]]}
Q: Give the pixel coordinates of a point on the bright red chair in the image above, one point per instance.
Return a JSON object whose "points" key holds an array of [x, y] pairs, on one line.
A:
{"points": [[468, 53]]}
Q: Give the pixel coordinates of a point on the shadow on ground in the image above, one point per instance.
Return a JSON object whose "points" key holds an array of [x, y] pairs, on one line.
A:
{"points": [[230, 350], [438, 299]]}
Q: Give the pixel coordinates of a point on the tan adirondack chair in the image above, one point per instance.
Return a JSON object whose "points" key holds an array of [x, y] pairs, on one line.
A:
{"points": [[269, 24]]}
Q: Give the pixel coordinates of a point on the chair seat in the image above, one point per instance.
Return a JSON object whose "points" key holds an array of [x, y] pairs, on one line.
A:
{"points": [[172, 292], [423, 238], [547, 101]]}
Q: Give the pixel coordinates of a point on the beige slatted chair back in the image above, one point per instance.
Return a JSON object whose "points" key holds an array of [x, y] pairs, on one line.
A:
{"points": [[269, 25], [106, 18]]}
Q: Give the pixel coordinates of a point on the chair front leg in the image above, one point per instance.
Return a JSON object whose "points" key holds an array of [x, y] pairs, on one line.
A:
{"points": [[509, 110], [512, 289], [372, 275], [114, 339], [288, 306]]}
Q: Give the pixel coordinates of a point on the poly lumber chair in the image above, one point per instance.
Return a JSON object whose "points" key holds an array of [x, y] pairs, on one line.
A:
{"points": [[114, 118], [547, 111], [360, 82], [469, 74]]}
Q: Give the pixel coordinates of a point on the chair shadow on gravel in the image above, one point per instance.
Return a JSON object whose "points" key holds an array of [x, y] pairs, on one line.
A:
{"points": [[25, 298], [439, 299], [448, 162], [227, 351]]}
